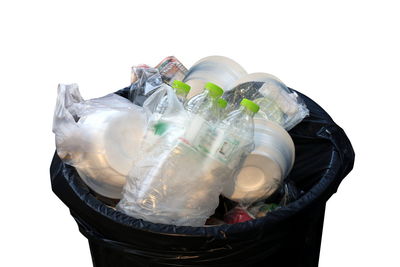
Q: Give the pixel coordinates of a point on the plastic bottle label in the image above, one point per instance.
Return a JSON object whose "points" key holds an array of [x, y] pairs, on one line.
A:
{"points": [[227, 150]]}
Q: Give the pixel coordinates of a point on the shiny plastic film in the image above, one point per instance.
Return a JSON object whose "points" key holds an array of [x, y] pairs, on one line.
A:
{"points": [[145, 81], [277, 102], [99, 137]]}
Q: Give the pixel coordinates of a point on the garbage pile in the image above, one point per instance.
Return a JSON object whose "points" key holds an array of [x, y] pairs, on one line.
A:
{"points": [[201, 146]]}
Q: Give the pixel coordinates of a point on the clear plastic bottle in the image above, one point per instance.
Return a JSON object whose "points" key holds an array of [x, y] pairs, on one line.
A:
{"points": [[222, 103], [238, 129], [181, 90], [204, 132], [204, 101], [215, 113], [204, 111]]}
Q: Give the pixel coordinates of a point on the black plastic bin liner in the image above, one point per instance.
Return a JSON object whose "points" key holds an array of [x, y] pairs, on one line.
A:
{"points": [[289, 236]]}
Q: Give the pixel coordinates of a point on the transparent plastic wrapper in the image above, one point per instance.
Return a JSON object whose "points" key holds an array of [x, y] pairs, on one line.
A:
{"points": [[134, 73], [165, 186], [288, 193], [277, 102], [174, 182], [100, 137], [146, 81], [261, 209]]}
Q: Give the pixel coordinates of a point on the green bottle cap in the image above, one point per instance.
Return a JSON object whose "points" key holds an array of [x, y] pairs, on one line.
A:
{"points": [[250, 105], [181, 87], [222, 103], [215, 90]]}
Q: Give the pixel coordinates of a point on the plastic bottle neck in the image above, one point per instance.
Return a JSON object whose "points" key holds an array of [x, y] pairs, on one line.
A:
{"points": [[180, 93], [246, 111], [208, 95]]}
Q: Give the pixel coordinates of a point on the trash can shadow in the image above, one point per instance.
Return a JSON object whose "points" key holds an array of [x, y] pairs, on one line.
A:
{"points": [[289, 236]]}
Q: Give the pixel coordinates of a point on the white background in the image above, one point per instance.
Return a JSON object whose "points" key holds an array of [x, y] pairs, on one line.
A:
{"points": [[343, 54]]}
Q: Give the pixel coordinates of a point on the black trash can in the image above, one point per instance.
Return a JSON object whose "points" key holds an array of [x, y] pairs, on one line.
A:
{"points": [[289, 236]]}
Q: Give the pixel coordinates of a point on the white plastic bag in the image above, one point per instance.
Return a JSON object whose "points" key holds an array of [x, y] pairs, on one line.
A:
{"points": [[100, 137]]}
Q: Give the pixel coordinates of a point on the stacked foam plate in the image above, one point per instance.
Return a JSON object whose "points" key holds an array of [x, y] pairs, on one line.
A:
{"points": [[266, 167], [115, 139], [222, 71]]}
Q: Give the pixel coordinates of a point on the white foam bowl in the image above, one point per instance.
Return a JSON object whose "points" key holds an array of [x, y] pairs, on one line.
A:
{"points": [[264, 168], [115, 137], [220, 70]]}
